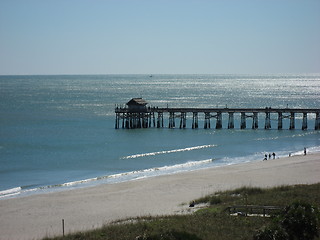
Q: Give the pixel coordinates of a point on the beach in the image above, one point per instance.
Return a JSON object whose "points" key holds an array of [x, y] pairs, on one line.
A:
{"points": [[38, 216]]}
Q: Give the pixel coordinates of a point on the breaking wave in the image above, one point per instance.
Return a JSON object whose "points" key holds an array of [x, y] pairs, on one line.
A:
{"points": [[114, 178], [169, 151], [10, 192]]}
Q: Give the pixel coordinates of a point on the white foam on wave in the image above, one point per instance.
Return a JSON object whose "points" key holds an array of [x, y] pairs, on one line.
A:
{"points": [[150, 172], [114, 178], [156, 171], [67, 184], [310, 150], [287, 136], [169, 151], [10, 192]]}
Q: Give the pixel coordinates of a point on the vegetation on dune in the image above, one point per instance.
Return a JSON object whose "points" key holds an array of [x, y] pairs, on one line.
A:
{"points": [[299, 218]]}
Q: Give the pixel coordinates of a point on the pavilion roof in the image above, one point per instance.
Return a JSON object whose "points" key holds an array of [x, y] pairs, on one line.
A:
{"points": [[137, 101]]}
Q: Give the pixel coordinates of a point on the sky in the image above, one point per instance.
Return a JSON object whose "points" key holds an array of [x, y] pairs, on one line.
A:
{"points": [[159, 37]]}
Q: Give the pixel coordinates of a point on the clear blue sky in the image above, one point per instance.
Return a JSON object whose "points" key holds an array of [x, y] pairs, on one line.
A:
{"points": [[159, 36]]}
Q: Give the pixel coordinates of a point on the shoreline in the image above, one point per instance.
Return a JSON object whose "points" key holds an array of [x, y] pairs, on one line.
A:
{"points": [[23, 191], [38, 216]]}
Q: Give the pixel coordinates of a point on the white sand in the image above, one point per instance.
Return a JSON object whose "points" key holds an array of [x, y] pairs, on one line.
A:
{"points": [[38, 216]]}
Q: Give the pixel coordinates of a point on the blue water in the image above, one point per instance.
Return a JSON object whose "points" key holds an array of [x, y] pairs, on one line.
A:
{"points": [[57, 132]]}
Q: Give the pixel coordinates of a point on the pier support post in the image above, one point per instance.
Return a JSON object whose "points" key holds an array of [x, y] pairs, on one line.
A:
{"points": [[219, 120], [139, 120], [134, 122], [160, 120], [127, 122], [149, 117], [145, 120], [206, 120], [304, 122], [183, 120], [317, 121], [117, 120], [131, 121], [148, 120], [123, 120], [171, 120], [231, 121], [268, 122], [195, 120], [292, 121], [154, 119], [243, 121], [279, 120], [255, 124]]}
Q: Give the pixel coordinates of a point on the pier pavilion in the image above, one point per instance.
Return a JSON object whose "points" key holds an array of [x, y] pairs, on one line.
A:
{"points": [[138, 115]]}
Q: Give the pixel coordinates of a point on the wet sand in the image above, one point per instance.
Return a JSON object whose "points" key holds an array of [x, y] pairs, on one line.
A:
{"points": [[38, 216]]}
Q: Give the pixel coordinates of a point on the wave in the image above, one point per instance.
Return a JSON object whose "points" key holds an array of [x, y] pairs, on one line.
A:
{"points": [[310, 150], [114, 178], [10, 192], [287, 136], [146, 173], [168, 151]]}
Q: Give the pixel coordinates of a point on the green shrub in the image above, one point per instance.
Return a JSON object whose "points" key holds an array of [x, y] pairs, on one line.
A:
{"points": [[215, 200], [169, 235], [274, 232], [298, 221], [248, 191]]}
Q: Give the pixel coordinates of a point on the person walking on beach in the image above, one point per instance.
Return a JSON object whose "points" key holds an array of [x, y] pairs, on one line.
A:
{"points": [[305, 151], [273, 155], [265, 157]]}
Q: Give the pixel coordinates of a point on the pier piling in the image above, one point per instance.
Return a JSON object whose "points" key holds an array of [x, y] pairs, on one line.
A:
{"points": [[243, 124], [207, 120], [279, 120], [160, 120], [268, 121], [317, 121], [195, 120], [183, 120], [231, 121], [292, 121], [255, 124], [219, 120], [171, 120], [304, 122]]}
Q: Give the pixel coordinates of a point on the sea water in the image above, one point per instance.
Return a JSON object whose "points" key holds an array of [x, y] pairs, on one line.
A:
{"points": [[58, 132]]}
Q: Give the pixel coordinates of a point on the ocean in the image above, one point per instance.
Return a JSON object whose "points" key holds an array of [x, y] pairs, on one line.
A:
{"points": [[58, 132]]}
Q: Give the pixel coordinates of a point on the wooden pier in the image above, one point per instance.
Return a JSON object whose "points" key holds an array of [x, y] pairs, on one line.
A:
{"points": [[138, 115]]}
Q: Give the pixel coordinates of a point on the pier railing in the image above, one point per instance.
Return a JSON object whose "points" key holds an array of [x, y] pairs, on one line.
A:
{"points": [[154, 117]]}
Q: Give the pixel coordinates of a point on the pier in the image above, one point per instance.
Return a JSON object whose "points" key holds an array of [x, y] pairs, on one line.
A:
{"points": [[138, 115]]}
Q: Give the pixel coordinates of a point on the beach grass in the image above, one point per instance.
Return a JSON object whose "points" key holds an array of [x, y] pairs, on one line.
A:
{"points": [[211, 222]]}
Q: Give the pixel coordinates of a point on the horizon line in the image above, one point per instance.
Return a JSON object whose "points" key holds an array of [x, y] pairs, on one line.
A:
{"points": [[154, 74]]}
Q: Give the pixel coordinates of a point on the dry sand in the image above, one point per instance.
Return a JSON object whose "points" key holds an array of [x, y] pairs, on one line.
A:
{"points": [[38, 216]]}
